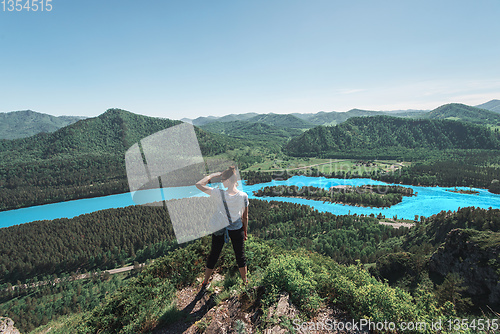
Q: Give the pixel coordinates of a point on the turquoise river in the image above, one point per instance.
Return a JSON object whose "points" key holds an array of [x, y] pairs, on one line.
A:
{"points": [[429, 201]]}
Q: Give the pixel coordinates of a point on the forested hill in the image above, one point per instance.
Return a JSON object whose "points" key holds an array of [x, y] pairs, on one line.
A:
{"points": [[25, 123], [85, 159], [113, 132], [457, 111], [382, 132], [251, 131]]}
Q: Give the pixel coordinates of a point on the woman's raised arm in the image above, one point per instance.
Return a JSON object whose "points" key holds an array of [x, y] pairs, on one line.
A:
{"points": [[202, 184]]}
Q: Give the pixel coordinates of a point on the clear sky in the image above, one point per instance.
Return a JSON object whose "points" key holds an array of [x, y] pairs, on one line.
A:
{"points": [[191, 58]]}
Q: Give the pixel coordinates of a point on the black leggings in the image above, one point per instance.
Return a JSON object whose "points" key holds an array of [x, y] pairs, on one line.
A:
{"points": [[237, 237]]}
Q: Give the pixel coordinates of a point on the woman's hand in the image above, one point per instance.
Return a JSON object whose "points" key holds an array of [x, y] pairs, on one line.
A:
{"points": [[245, 237]]}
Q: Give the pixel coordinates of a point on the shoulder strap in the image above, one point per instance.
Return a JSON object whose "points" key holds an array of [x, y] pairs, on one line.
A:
{"points": [[226, 233], [225, 205]]}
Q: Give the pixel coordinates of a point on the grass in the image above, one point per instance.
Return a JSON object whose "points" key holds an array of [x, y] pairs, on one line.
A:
{"points": [[275, 163], [62, 325]]}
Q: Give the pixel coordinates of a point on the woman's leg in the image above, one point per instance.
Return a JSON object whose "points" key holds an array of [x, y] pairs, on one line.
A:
{"points": [[217, 244], [237, 239], [208, 273], [243, 273]]}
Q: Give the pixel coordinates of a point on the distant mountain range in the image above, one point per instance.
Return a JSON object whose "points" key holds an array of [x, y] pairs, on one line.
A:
{"points": [[309, 120], [252, 131], [26, 123], [21, 124], [465, 113], [476, 114], [493, 105]]}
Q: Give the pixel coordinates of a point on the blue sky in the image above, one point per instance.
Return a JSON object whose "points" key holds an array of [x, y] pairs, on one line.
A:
{"points": [[188, 58]]}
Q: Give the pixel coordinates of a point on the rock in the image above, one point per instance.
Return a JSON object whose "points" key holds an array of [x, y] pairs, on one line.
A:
{"points": [[7, 326], [283, 308], [474, 255]]}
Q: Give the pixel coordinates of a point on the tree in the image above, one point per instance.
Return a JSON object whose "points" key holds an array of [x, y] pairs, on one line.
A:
{"points": [[451, 290], [494, 187]]}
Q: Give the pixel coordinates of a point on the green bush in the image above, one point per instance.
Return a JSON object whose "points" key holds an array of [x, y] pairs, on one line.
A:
{"points": [[136, 308], [293, 274]]}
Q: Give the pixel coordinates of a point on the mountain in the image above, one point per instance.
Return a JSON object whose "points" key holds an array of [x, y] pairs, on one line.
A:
{"points": [[113, 132], [228, 118], [251, 131], [493, 105], [462, 112], [386, 132], [407, 111], [26, 123], [319, 118], [333, 117], [282, 121]]}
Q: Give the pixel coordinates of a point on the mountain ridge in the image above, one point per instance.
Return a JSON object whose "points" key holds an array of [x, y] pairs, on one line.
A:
{"points": [[23, 123], [26, 123], [463, 112], [493, 105]]}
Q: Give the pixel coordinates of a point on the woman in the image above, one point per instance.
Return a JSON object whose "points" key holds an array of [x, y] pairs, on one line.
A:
{"points": [[237, 203]]}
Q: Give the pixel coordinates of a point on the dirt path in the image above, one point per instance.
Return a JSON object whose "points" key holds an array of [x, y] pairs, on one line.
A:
{"points": [[241, 313], [397, 225], [76, 277]]}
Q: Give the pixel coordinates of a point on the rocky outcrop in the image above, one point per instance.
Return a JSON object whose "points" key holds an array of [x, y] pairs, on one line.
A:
{"points": [[474, 255], [7, 326]]}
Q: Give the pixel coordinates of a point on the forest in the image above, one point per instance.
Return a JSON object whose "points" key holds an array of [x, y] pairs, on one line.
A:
{"points": [[379, 132], [36, 306], [284, 263], [142, 233], [110, 238]]}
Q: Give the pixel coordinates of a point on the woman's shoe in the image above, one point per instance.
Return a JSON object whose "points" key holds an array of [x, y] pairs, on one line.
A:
{"points": [[204, 285]]}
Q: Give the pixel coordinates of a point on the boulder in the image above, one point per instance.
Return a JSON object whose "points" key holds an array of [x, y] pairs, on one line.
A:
{"points": [[7, 326]]}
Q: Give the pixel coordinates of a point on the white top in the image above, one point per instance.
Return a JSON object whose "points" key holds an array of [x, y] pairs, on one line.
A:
{"points": [[236, 204]]}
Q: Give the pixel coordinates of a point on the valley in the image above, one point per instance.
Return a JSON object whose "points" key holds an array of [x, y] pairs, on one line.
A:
{"points": [[448, 157]]}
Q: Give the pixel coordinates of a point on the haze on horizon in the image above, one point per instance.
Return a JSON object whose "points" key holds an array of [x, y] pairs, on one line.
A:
{"points": [[191, 59]]}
